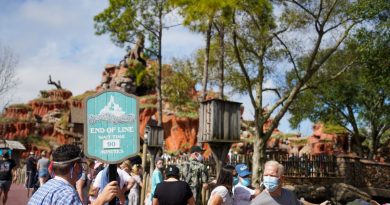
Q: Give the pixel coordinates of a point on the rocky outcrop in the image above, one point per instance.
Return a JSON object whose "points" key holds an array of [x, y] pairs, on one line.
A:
{"points": [[343, 193], [17, 129], [337, 193]]}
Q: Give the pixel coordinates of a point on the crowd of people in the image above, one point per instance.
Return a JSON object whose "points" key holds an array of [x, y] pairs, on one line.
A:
{"points": [[69, 178]]}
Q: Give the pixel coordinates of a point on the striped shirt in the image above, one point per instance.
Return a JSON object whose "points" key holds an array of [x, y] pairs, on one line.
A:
{"points": [[56, 191]]}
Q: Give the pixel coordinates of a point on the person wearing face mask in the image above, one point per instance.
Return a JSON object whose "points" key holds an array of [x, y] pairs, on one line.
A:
{"points": [[195, 173], [68, 166], [274, 193], [242, 194]]}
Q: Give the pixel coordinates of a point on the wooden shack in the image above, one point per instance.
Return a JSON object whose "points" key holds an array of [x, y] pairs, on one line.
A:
{"points": [[219, 121], [155, 136]]}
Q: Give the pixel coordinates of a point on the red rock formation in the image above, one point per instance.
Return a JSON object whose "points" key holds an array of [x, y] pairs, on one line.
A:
{"points": [[59, 94], [41, 108], [17, 112]]}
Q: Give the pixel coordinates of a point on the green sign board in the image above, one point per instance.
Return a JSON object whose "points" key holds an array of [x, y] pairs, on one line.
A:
{"points": [[111, 128]]}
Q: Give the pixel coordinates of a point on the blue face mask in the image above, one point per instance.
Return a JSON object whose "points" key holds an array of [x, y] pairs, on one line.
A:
{"points": [[235, 181], [246, 182], [271, 183]]}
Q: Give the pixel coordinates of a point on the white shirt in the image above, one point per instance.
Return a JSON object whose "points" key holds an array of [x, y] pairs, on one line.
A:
{"points": [[242, 194], [223, 192], [124, 178]]}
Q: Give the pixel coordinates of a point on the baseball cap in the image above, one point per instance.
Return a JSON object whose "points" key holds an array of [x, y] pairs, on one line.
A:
{"points": [[242, 170], [196, 149], [172, 170]]}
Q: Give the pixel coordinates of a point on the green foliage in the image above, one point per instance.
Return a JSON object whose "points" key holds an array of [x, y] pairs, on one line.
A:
{"points": [[8, 120], [84, 95], [187, 114], [124, 20], [35, 140], [140, 74], [21, 106], [299, 141], [283, 135], [334, 129], [197, 14], [178, 87], [359, 98], [147, 105], [63, 122], [44, 94]]}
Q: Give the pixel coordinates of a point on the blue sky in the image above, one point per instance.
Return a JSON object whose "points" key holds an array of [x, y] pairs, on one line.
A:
{"points": [[57, 38]]}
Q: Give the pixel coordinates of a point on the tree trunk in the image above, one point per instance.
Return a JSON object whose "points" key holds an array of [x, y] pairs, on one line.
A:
{"points": [[206, 61], [221, 60], [259, 159], [375, 143], [159, 71]]}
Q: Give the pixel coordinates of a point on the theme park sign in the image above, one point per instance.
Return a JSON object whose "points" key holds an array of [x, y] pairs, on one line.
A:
{"points": [[111, 126]]}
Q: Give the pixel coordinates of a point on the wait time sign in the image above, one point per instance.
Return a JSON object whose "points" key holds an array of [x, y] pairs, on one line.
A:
{"points": [[111, 128]]}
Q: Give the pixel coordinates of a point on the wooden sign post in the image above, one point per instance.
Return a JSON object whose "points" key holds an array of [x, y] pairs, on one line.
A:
{"points": [[111, 128]]}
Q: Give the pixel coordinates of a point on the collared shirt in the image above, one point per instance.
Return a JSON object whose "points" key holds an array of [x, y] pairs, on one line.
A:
{"points": [[56, 191], [287, 198]]}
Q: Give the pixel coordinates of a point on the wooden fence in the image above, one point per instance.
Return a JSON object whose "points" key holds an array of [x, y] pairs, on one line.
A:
{"points": [[295, 165]]}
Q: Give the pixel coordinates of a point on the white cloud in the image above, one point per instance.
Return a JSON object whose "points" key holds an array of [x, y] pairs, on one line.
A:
{"points": [[57, 38]]}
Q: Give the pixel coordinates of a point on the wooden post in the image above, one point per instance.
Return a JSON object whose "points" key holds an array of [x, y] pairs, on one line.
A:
{"points": [[144, 152], [220, 151]]}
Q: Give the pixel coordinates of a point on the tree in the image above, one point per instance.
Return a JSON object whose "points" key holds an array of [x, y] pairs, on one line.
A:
{"points": [[125, 19], [357, 100], [208, 17], [315, 29], [8, 62], [179, 85], [199, 16]]}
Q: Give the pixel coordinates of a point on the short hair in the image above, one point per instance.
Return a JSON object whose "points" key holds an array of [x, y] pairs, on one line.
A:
{"points": [[225, 177], [158, 159], [277, 164], [65, 153], [126, 164]]}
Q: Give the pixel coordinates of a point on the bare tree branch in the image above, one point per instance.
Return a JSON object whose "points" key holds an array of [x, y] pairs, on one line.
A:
{"points": [[243, 69], [8, 62], [274, 90], [304, 8], [290, 56], [330, 12], [171, 26]]}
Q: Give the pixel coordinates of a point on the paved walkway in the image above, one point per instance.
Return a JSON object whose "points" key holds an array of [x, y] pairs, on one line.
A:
{"points": [[17, 195]]}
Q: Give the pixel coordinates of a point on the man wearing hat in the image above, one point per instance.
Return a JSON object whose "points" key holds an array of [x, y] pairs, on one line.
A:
{"points": [[6, 168], [68, 166], [179, 191], [195, 173], [242, 194]]}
